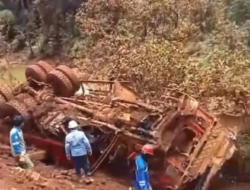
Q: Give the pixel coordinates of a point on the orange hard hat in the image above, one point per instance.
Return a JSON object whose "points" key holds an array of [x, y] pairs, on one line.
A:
{"points": [[148, 149]]}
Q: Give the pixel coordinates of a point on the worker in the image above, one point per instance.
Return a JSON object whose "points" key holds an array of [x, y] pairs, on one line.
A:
{"points": [[77, 148], [18, 146], [142, 176]]}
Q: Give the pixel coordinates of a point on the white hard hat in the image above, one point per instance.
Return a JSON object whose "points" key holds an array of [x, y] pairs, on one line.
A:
{"points": [[72, 124]]}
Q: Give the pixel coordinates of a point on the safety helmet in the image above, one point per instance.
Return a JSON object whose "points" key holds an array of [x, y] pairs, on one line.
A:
{"points": [[148, 149], [18, 120], [72, 124], [66, 120]]}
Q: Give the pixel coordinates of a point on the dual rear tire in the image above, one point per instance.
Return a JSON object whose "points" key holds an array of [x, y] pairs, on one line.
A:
{"points": [[62, 79]]}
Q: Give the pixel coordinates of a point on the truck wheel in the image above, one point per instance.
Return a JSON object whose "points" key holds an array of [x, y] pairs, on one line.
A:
{"points": [[6, 110], [71, 76], [36, 73], [28, 100], [45, 66], [2, 99], [19, 107], [60, 83], [6, 92]]}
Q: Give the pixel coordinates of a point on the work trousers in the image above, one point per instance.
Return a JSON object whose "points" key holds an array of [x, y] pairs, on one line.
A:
{"points": [[26, 163], [81, 162], [134, 188]]}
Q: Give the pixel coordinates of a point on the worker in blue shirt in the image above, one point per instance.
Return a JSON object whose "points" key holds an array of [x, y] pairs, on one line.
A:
{"points": [[18, 147], [142, 176], [77, 148]]}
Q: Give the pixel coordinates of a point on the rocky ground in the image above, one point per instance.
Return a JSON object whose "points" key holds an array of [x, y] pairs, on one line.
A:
{"points": [[47, 177]]}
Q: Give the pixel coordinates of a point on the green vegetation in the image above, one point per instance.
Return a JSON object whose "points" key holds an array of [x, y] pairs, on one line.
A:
{"points": [[199, 47], [190, 45]]}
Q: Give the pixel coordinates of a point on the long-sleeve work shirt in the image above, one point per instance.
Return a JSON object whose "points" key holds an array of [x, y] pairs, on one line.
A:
{"points": [[76, 144], [17, 141], [142, 176]]}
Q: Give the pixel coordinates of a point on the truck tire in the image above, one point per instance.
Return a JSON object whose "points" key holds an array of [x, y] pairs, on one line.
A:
{"points": [[6, 92], [28, 100], [2, 99], [71, 76], [45, 66], [60, 83], [6, 110], [36, 73], [19, 107]]}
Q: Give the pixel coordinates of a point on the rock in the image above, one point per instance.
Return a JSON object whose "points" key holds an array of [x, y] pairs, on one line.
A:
{"points": [[67, 177], [58, 177], [12, 188], [32, 188], [33, 176], [88, 181], [69, 184], [71, 172], [43, 185], [65, 172], [103, 182], [19, 169], [53, 175], [19, 180]]}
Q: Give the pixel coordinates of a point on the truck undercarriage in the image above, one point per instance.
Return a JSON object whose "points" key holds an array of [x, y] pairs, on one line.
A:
{"points": [[189, 142]]}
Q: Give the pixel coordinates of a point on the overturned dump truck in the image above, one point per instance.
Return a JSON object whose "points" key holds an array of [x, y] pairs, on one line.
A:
{"points": [[190, 144]]}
